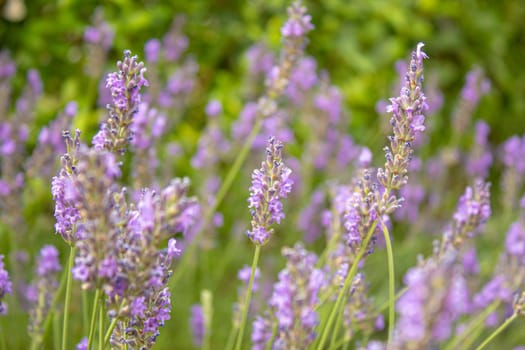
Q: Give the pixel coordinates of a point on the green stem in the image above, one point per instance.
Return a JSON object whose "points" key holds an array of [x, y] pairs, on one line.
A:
{"points": [[101, 326], [94, 312], [110, 330], [348, 281], [475, 324], [56, 332], [272, 338], [497, 331], [36, 341], [391, 282], [337, 323], [68, 297], [246, 306], [384, 306], [231, 337], [221, 194], [2, 337], [85, 312]]}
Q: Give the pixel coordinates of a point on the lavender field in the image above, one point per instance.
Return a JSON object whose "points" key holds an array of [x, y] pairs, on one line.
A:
{"points": [[262, 175]]}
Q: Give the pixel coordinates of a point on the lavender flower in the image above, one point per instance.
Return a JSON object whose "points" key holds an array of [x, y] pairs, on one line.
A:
{"points": [[515, 241], [51, 143], [270, 183], [359, 313], [7, 71], [259, 59], [197, 324], [5, 285], [125, 88], [62, 188], [298, 23], [294, 36], [476, 85], [496, 289], [45, 285], [261, 332], [436, 296], [212, 143], [514, 170], [407, 121], [99, 39], [293, 302], [473, 210], [480, 159], [361, 210], [83, 344], [309, 220], [175, 42]]}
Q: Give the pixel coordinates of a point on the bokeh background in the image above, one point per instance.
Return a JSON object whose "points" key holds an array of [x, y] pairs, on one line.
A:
{"points": [[357, 42]]}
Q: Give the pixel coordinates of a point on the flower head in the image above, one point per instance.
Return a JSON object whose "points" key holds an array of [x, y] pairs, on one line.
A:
{"points": [[5, 286], [270, 184]]}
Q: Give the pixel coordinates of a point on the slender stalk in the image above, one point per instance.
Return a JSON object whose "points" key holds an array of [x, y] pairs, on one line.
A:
{"points": [[36, 341], [2, 337], [473, 337], [384, 306], [335, 332], [272, 338], [472, 326], [85, 312], [497, 331], [221, 194], [110, 330], [101, 326], [391, 282], [68, 297], [244, 311], [348, 281], [56, 332], [231, 337], [94, 312]]}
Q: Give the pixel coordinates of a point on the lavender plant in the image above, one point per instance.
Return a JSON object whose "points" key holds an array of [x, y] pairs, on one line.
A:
{"points": [[133, 229]]}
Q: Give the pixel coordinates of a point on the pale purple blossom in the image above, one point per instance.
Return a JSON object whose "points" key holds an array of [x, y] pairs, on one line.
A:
{"points": [[270, 184], [298, 23], [5, 285]]}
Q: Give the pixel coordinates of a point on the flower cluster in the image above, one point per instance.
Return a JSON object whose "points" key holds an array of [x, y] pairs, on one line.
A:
{"points": [[5, 286], [42, 291], [472, 211], [98, 40], [125, 85], [270, 184], [436, 296], [407, 121], [476, 85], [361, 210], [293, 302]]}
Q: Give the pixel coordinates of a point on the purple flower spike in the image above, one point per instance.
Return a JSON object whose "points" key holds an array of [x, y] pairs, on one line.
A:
{"points": [[293, 302], [5, 285], [124, 85], [407, 122], [48, 262], [298, 23], [197, 324], [270, 184]]}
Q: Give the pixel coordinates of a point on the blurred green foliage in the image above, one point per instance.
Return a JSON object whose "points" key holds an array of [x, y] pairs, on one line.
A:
{"points": [[357, 42]]}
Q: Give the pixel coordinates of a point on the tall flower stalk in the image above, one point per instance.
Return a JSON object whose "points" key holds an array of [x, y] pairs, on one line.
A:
{"points": [[367, 206], [294, 39], [270, 184], [407, 121]]}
